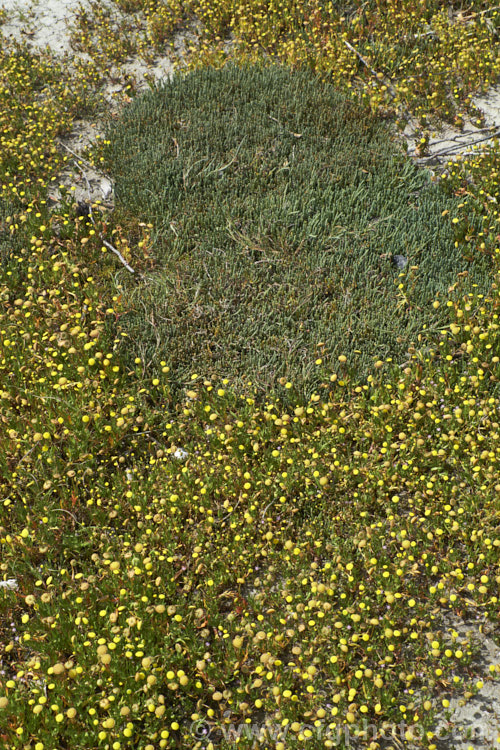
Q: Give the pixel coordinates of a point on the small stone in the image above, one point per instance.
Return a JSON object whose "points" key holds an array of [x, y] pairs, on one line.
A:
{"points": [[400, 262], [106, 188], [10, 583], [82, 209], [180, 454]]}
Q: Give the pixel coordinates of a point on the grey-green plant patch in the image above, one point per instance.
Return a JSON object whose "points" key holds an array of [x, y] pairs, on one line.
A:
{"points": [[285, 216]]}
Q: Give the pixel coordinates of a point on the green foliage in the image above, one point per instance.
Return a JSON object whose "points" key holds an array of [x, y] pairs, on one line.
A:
{"points": [[235, 568], [7, 243], [278, 206]]}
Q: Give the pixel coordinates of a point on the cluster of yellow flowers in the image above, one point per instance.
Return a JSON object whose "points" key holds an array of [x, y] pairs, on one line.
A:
{"points": [[238, 560]]}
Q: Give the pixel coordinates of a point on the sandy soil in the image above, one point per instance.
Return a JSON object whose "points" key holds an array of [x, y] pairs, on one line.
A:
{"points": [[44, 24], [450, 143]]}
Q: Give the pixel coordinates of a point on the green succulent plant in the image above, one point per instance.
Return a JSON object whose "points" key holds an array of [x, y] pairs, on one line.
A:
{"points": [[278, 205]]}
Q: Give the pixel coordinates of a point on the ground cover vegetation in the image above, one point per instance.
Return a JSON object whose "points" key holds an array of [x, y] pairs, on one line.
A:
{"points": [[279, 207], [182, 563]]}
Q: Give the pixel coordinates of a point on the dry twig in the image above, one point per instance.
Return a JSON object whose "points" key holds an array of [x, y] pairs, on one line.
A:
{"points": [[453, 149], [372, 70], [104, 242]]}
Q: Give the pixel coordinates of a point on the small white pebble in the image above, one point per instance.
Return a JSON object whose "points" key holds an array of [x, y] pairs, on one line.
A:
{"points": [[180, 454], [106, 189], [10, 583]]}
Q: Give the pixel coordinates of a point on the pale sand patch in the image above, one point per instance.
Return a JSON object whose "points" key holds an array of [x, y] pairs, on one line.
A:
{"points": [[42, 23], [45, 26], [449, 143], [473, 723]]}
